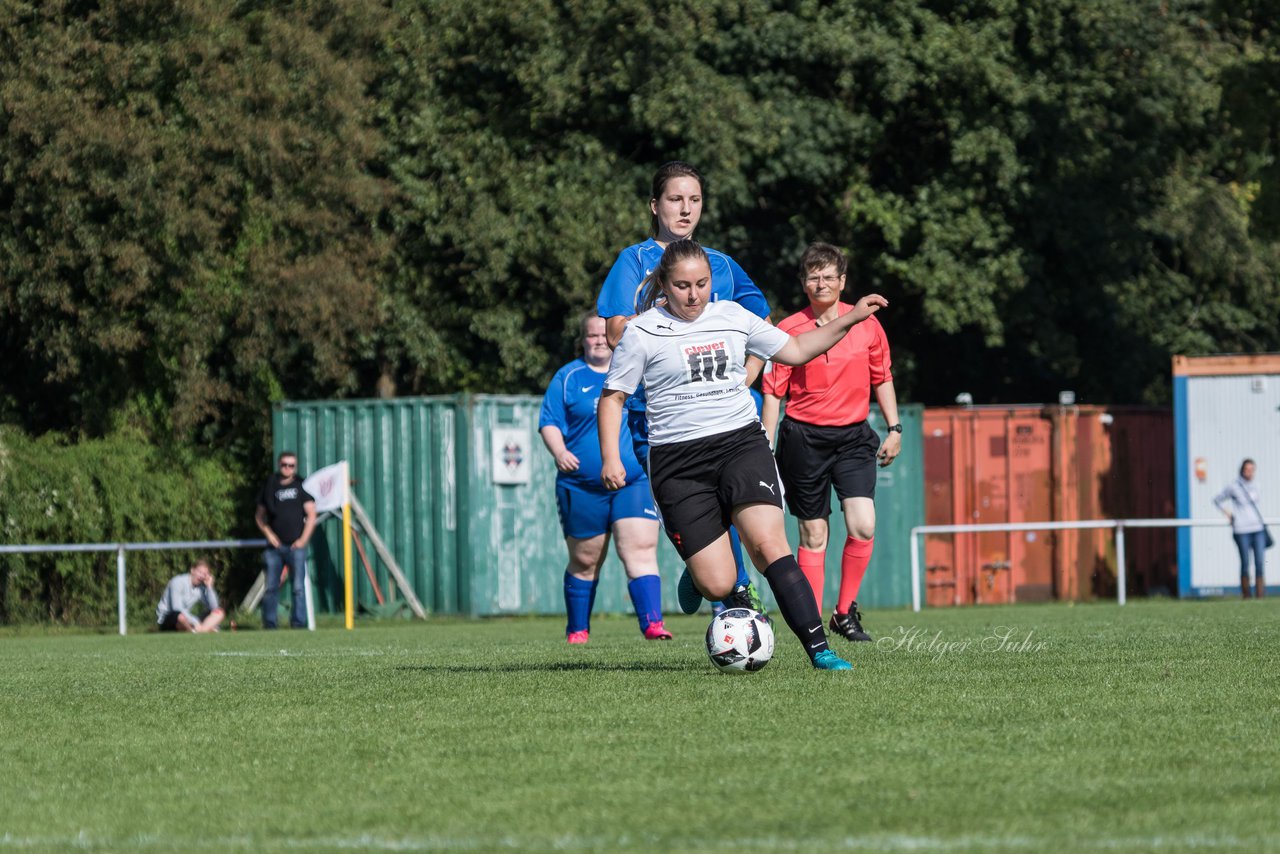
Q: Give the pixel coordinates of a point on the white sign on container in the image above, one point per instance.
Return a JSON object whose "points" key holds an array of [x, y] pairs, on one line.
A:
{"points": [[511, 452]]}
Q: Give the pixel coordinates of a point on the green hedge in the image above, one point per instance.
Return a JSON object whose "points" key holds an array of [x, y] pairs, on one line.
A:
{"points": [[121, 488]]}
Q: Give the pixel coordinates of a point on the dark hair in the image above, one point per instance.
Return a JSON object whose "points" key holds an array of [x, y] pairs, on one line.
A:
{"points": [[677, 251], [667, 171], [1247, 462], [284, 454], [819, 256]]}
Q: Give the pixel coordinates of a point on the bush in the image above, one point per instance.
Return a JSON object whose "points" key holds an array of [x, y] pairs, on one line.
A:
{"points": [[121, 488]]}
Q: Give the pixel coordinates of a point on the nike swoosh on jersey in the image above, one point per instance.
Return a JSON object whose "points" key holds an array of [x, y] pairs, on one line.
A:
{"points": [[586, 388]]}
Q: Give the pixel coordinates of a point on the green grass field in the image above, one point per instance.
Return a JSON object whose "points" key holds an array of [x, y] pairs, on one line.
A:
{"points": [[1150, 727]]}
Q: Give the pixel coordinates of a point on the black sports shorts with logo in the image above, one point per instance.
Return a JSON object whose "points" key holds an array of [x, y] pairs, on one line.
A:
{"points": [[696, 484], [812, 458]]}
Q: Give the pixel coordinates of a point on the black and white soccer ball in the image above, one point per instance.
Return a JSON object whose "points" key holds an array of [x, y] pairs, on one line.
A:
{"points": [[740, 640]]}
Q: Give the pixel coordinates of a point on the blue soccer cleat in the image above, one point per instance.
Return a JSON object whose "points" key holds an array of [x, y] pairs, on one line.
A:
{"points": [[828, 660], [687, 593]]}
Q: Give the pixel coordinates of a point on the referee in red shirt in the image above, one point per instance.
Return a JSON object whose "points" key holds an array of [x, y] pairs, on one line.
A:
{"points": [[825, 439]]}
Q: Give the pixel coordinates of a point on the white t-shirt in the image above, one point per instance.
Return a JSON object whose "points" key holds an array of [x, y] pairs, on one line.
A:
{"points": [[693, 371]]}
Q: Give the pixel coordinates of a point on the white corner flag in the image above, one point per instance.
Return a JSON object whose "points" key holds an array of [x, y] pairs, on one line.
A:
{"points": [[328, 487]]}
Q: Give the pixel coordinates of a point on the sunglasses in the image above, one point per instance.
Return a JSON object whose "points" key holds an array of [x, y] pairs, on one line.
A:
{"points": [[288, 465]]}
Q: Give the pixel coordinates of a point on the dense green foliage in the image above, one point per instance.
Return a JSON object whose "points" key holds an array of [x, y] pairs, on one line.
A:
{"points": [[211, 206], [190, 211], [120, 488], [1024, 728]]}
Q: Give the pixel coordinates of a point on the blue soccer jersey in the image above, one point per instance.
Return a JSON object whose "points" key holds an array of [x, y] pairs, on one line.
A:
{"points": [[624, 288], [570, 406]]}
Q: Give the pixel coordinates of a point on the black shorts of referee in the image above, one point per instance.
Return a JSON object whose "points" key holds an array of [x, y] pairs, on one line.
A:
{"points": [[812, 458], [696, 484]]}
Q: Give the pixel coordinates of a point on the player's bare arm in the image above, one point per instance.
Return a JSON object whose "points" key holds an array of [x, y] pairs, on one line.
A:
{"points": [[887, 398], [614, 327], [609, 424], [802, 348]]}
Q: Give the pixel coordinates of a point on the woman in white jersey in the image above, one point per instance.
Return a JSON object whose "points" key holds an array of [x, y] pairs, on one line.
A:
{"points": [[709, 460]]}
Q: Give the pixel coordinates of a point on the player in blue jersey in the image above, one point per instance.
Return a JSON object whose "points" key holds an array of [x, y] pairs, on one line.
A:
{"points": [[590, 514], [676, 208]]}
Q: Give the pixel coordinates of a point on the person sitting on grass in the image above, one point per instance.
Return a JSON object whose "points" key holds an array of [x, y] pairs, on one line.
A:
{"points": [[183, 593]]}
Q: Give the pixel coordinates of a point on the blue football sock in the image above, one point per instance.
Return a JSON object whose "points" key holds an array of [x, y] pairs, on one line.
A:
{"points": [[735, 545], [579, 596], [646, 596]]}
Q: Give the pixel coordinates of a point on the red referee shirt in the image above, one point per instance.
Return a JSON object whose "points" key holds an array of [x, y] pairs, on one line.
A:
{"points": [[834, 389]]}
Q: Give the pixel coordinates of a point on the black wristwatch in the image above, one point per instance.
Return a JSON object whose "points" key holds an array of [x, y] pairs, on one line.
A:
{"points": [[895, 428]]}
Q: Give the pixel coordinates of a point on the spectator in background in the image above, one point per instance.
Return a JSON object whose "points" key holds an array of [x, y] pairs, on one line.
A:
{"points": [[286, 516], [590, 514], [184, 593], [1247, 527]]}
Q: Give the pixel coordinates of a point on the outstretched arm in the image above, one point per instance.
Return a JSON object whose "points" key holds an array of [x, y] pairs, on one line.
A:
{"points": [[801, 348]]}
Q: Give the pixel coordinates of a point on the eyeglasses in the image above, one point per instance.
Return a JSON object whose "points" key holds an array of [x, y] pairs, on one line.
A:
{"points": [[825, 280], [288, 465]]}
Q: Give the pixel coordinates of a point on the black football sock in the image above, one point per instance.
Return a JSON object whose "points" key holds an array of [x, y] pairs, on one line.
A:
{"points": [[795, 600]]}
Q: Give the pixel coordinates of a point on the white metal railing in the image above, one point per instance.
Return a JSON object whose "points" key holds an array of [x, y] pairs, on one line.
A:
{"points": [[121, 548], [1118, 525]]}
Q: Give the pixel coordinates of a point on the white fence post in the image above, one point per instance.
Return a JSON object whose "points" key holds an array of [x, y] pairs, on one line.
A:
{"points": [[915, 570], [1120, 574], [120, 586]]}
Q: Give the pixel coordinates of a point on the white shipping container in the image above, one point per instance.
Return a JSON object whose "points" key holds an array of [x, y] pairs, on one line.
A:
{"points": [[1225, 409]]}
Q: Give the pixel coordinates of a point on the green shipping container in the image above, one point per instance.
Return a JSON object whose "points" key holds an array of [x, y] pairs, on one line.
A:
{"points": [[462, 491], [401, 459]]}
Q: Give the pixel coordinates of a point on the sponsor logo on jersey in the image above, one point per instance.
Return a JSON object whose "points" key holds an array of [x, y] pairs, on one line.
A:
{"points": [[706, 362]]}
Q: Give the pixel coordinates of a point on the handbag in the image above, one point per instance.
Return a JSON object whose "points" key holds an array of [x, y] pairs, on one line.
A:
{"points": [[1267, 539]]}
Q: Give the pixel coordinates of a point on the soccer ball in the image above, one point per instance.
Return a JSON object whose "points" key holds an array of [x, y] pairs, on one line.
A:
{"points": [[740, 640]]}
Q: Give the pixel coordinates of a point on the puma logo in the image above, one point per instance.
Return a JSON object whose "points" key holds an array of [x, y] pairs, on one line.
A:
{"points": [[768, 486], [666, 326]]}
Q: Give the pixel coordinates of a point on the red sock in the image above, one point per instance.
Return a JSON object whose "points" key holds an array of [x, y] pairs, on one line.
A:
{"points": [[853, 566], [814, 566]]}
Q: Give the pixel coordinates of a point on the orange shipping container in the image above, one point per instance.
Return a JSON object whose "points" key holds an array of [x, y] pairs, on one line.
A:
{"points": [[1038, 464]]}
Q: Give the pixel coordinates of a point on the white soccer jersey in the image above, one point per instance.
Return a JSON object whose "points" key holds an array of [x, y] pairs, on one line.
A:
{"points": [[693, 371]]}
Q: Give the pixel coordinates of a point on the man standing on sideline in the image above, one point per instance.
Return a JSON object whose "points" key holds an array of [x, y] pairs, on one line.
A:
{"points": [[184, 592], [286, 516]]}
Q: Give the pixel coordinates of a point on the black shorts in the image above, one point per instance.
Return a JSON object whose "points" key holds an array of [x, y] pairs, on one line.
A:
{"points": [[813, 458], [697, 484], [170, 622]]}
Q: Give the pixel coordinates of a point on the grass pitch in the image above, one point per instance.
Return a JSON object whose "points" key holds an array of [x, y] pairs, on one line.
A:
{"points": [[1025, 728]]}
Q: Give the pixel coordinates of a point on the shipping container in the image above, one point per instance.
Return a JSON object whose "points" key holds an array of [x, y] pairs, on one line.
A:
{"points": [[1026, 464], [401, 462], [462, 491], [1226, 409]]}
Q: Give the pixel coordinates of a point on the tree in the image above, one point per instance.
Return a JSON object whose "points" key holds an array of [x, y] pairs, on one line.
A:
{"points": [[192, 203]]}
